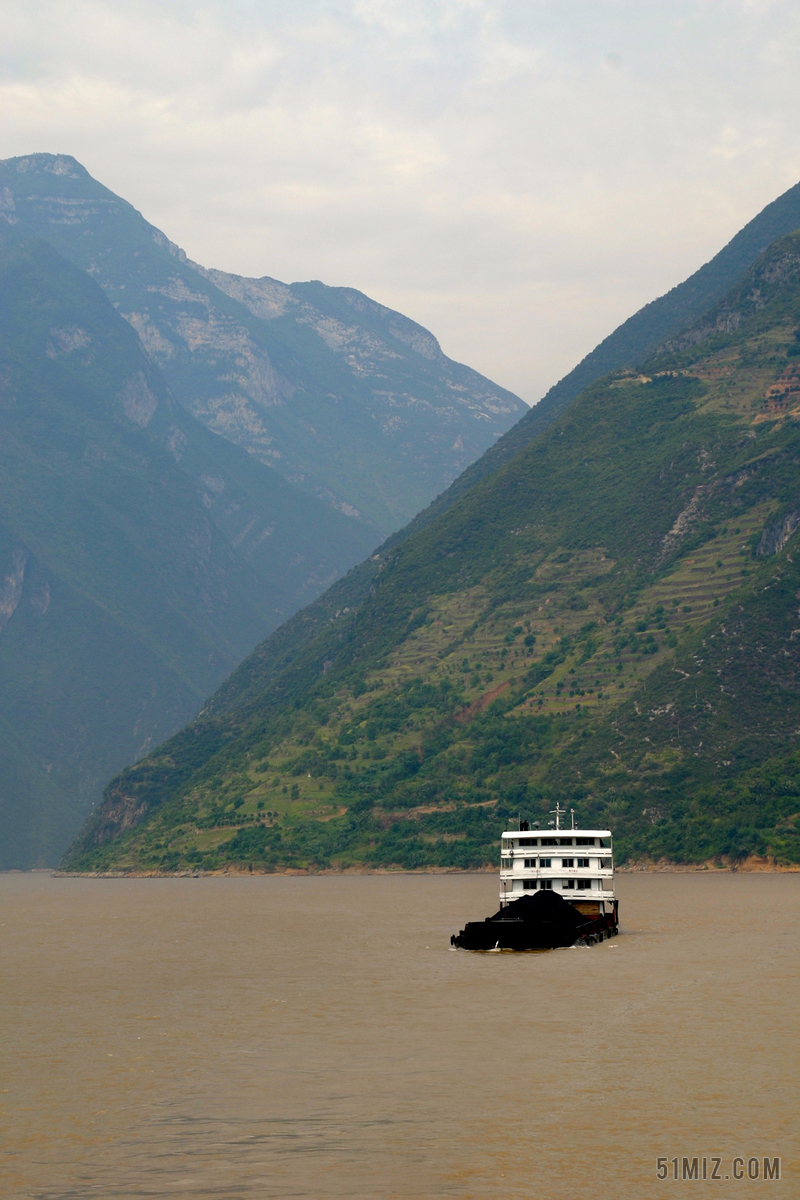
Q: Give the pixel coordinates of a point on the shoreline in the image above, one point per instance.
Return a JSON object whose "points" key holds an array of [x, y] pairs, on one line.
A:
{"points": [[751, 865]]}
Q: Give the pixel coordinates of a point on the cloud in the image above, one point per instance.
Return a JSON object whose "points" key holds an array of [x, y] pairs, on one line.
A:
{"points": [[517, 177]]}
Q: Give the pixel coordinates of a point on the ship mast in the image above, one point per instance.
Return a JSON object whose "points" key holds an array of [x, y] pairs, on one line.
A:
{"points": [[558, 812]]}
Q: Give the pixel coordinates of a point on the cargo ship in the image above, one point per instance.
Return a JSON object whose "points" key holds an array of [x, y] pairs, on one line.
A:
{"points": [[556, 889]]}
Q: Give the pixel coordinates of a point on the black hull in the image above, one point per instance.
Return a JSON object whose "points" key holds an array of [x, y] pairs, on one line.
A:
{"points": [[544, 922]]}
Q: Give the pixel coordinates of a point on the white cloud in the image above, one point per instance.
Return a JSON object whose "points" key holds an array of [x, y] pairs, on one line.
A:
{"points": [[518, 177]]}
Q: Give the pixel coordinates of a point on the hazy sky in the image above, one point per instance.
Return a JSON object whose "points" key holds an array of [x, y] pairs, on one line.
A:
{"points": [[517, 175]]}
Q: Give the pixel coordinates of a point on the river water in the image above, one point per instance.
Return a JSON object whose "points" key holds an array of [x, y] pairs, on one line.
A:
{"points": [[317, 1037]]}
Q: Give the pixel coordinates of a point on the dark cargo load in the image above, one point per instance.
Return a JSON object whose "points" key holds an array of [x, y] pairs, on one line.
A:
{"points": [[542, 921]]}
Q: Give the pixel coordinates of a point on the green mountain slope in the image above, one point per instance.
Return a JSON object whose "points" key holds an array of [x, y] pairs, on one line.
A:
{"points": [[609, 620], [636, 339], [140, 556], [343, 397]]}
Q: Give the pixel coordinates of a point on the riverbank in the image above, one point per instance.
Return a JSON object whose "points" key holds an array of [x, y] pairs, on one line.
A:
{"points": [[752, 864]]}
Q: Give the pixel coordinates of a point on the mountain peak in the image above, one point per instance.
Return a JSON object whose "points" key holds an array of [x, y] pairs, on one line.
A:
{"points": [[62, 165]]}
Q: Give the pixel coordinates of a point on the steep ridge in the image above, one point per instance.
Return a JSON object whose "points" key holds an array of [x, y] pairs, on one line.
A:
{"points": [[343, 397], [635, 340], [608, 620], [141, 557]]}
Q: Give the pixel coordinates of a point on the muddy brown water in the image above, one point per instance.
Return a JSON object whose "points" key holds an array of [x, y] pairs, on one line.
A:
{"points": [[316, 1037]]}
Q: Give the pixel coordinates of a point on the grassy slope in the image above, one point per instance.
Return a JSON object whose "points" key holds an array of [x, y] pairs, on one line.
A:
{"points": [[604, 621]]}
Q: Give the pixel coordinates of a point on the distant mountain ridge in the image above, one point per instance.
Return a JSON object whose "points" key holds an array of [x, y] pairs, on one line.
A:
{"points": [[345, 398]]}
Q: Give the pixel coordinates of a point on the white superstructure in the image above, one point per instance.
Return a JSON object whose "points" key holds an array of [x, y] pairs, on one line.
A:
{"points": [[577, 863]]}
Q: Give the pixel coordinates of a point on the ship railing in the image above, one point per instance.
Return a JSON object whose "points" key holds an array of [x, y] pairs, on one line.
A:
{"points": [[548, 872]]}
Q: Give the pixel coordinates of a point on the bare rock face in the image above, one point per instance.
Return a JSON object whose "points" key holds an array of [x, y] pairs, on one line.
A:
{"points": [[64, 341], [777, 534], [121, 812], [12, 577], [138, 401]]}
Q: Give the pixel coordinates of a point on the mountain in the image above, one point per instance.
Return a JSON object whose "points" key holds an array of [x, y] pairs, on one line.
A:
{"points": [[609, 620], [141, 556], [341, 396]]}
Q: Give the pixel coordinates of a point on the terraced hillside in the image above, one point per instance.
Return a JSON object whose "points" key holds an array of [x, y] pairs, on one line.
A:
{"points": [[609, 620]]}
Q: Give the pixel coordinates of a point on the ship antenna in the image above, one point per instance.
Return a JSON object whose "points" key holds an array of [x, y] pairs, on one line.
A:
{"points": [[559, 813], [572, 810]]}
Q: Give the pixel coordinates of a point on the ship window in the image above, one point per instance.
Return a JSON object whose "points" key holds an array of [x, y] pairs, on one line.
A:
{"points": [[584, 883], [584, 841], [546, 884], [568, 862], [605, 864], [530, 862], [529, 885], [545, 862], [568, 883], [527, 841], [583, 862], [549, 842], [565, 841]]}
